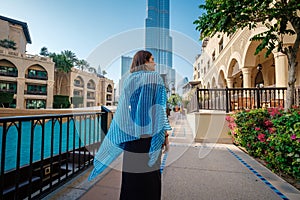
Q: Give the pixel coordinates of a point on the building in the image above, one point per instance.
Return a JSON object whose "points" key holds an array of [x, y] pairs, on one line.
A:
{"points": [[125, 68], [229, 61], [29, 77], [93, 89], [33, 80], [157, 37]]}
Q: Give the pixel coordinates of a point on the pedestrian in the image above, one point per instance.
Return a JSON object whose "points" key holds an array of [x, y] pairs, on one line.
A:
{"points": [[139, 129]]}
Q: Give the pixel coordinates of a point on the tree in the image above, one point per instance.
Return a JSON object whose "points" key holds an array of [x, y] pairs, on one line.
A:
{"points": [[44, 51], [62, 65], [279, 17], [70, 56], [175, 100], [82, 64], [8, 44]]}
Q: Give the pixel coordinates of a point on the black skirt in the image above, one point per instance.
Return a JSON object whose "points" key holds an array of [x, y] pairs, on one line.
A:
{"points": [[139, 181]]}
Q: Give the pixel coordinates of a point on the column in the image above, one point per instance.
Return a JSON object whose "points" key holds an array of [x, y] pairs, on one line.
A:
{"points": [[50, 88], [20, 93], [281, 69], [230, 82], [247, 72]]}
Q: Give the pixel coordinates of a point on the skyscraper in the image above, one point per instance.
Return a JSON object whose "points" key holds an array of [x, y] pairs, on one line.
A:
{"points": [[157, 37]]}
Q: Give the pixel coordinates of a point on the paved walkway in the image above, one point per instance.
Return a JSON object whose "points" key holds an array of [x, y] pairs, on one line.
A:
{"points": [[192, 171]]}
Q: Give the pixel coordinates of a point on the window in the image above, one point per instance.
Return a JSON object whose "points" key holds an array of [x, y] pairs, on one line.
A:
{"points": [[8, 71], [221, 45], [37, 89], [35, 103], [213, 56], [37, 74]]}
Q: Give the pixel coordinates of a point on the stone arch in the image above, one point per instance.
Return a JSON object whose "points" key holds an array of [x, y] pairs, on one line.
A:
{"points": [[8, 67], [208, 85], [221, 80], [36, 71], [233, 67], [91, 84], [213, 83], [78, 81], [109, 88]]}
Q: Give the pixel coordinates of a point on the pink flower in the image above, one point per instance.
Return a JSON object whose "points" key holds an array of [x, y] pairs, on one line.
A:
{"points": [[261, 137], [268, 123], [229, 119], [293, 137], [271, 130], [257, 128], [274, 111], [232, 125]]}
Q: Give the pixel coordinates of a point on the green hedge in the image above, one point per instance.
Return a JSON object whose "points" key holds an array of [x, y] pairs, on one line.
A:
{"points": [[270, 134], [61, 101], [77, 100], [6, 98]]}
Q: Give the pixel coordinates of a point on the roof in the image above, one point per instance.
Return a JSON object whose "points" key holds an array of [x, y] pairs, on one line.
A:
{"points": [[193, 82], [23, 24]]}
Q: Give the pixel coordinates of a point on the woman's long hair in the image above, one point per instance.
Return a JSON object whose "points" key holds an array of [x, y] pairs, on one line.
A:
{"points": [[139, 61]]}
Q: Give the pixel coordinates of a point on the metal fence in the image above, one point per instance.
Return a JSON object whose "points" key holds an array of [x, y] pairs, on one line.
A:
{"points": [[40, 153], [231, 99]]}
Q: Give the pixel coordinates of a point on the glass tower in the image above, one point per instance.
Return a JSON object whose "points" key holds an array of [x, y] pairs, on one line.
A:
{"points": [[157, 37]]}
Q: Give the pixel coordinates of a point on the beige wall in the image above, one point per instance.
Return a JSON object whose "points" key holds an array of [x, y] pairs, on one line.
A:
{"points": [[205, 130], [15, 33], [236, 58], [23, 62], [97, 96]]}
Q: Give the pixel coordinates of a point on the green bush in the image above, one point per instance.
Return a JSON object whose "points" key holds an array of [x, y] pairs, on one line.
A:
{"points": [[269, 134], [6, 98], [61, 101]]}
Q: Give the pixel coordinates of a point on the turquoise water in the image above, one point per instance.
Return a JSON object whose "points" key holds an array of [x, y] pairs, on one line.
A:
{"points": [[86, 132]]}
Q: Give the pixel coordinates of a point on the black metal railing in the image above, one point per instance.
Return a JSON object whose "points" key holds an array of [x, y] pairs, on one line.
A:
{"points": [[40, 153], [231, 99]]}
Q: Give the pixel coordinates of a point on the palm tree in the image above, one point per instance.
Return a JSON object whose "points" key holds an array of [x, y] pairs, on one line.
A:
{"points": [[82, 64], [44, 51], [70, 56], [62, 65]]}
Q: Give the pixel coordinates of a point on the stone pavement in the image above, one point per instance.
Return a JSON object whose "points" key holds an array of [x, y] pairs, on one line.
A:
{"points": [[192, 171]]}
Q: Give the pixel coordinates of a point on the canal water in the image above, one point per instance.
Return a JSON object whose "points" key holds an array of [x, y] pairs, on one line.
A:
{"points": [[84, 132]]}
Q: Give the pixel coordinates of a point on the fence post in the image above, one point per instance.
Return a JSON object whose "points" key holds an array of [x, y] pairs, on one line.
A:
{"points": [[258, 89], [104, 119], [198, 100], [227, 99]]}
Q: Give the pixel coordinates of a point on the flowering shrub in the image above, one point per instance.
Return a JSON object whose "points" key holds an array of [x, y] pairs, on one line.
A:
{"points": [[269, 134]]}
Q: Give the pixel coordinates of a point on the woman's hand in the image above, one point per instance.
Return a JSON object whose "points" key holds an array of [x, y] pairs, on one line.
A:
{"points": [[166, 145]]}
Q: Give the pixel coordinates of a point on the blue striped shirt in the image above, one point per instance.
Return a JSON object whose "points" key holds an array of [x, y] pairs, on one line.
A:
{"points": [[141, 111]]}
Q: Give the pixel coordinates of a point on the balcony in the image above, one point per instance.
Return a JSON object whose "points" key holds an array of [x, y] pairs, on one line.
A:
{"points": [[11, 74], [91, 87], [13, 91], [38, 77], [34, 92], [90, 97], [78, 85], [26, 56]]}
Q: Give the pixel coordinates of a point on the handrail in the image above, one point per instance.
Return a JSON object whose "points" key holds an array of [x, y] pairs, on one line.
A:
{"points": [[231, 99], [39, 153]]}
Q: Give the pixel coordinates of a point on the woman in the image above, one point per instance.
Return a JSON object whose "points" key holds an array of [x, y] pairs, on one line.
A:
{"points": [[139, 129]]}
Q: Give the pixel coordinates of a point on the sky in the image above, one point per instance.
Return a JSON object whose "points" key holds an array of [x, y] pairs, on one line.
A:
{"points": [[85, 26]]}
